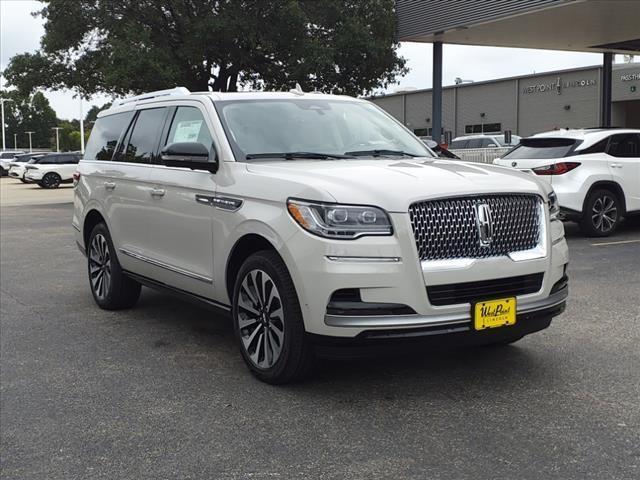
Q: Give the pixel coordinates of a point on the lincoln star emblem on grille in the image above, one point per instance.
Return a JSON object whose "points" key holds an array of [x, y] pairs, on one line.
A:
{"points": [[484, 223]]}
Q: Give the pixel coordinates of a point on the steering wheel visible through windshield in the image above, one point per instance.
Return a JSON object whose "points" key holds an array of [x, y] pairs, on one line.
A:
{"points": [[314, 128]]}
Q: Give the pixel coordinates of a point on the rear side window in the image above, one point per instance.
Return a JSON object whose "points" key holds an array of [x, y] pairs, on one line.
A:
{"points": [[599, 147], [46, 160], [145, 137], [488, 143], [532, 148], [105, 135], [68, 159], [475, 143], [458, 144], [624, 145]]}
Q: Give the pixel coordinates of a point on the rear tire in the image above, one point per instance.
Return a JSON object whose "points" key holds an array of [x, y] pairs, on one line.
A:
{"points": [[111, 289], [50, 180], [601, 215], [267, 321]]}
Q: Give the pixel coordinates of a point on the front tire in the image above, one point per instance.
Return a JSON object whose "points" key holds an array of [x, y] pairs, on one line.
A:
{"points": [[601, 214], [111, 289], [268, 323], [51, 180]]}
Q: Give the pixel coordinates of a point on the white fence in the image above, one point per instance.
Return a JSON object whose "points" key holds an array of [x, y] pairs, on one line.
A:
{"points": [[480, 155]]}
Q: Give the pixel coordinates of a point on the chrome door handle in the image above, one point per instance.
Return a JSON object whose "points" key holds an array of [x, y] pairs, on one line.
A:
{"points": [[616, 165], [109, 185], [157, 192]]}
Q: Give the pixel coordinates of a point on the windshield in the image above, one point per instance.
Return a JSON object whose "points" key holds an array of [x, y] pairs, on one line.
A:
{"points": [[533, 148], [314, 128]]}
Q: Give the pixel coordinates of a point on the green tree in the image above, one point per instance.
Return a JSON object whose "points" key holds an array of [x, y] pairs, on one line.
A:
{"points": [[69, 135], [29, 113], [92, 114], [339, 46]]}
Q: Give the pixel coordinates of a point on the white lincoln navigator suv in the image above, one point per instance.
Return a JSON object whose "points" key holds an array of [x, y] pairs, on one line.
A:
{"points": [[317, 222]]}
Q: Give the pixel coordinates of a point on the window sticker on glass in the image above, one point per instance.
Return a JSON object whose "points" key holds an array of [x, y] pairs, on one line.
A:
{"points": [[188, 131]]}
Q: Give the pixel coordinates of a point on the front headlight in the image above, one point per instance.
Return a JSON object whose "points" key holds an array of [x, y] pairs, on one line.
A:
{"points": [[333, 220], [554, 206]]}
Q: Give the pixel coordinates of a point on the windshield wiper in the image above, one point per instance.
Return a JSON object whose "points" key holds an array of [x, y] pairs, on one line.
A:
{"points": [[378, 153], [294, 155]]}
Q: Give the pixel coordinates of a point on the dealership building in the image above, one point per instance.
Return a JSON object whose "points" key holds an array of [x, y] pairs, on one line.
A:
{"points": [[525, 105]]}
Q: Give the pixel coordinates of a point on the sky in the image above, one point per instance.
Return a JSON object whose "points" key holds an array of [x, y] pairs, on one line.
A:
{"points": [[20, 32]]}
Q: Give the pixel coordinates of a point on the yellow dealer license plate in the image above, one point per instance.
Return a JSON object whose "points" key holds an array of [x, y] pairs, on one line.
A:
{"points": [[494, 313]]}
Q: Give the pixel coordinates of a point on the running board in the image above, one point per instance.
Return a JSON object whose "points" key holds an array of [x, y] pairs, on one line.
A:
{"points": [[190, 297]]}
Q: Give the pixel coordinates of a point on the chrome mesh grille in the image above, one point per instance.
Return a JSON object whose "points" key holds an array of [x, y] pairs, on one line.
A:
{"points": [[446, 229]]}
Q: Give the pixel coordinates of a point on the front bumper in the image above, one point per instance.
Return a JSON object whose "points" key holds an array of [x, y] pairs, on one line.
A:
{"points": [[419, 340], [442, 320], [387, 270], [16, 173]]}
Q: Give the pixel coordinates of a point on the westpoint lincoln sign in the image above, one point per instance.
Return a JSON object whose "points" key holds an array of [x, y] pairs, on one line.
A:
{"points": [[558, 85], [630, 77]]}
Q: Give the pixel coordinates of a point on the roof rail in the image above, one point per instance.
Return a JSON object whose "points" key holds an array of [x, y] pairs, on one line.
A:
{"points": [[147, 96]]}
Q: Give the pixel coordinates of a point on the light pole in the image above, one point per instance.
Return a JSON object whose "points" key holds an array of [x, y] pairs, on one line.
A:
{"points": [[81, 126], [29, 133], [2, 100], [15, 141], [57, 129]]}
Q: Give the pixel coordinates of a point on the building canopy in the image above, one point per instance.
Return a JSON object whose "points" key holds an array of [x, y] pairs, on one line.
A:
{"points": [[574, 25]]}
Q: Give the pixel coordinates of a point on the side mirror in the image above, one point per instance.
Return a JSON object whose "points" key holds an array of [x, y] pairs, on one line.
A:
{"points": [[191, 155]]}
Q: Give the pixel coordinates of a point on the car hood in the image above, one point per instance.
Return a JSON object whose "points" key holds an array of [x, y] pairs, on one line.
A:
{"points": [[396, 184]]}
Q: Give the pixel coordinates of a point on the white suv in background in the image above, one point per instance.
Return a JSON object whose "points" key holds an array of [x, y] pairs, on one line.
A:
{"points": [[314, 220], [594, 172], [6, 157], [51, 170], [482, 141]]}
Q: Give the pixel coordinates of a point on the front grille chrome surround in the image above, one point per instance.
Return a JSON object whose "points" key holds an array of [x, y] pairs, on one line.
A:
{"points": [[447, 229]]}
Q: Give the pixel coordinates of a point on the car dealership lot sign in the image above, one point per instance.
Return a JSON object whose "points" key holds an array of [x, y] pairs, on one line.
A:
{"points": [[557, 86]]}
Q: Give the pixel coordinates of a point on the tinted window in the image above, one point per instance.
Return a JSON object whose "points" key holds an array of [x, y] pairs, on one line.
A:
{"points": [[599, 147], [531, 148], [458, 144], [475, 143], [488, 143], [624, 145], [482, 128], [46, 160], [67, 159], [143, 143], [105, 134]]}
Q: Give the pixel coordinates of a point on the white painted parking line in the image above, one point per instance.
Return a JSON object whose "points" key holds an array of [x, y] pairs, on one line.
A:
{"points": [[615, 243]]}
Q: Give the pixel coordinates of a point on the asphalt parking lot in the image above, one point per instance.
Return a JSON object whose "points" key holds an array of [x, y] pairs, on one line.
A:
{"points": [[160, 391]]}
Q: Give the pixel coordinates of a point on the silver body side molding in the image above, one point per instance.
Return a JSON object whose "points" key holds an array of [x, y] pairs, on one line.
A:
{"points": [[181, 271]]}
